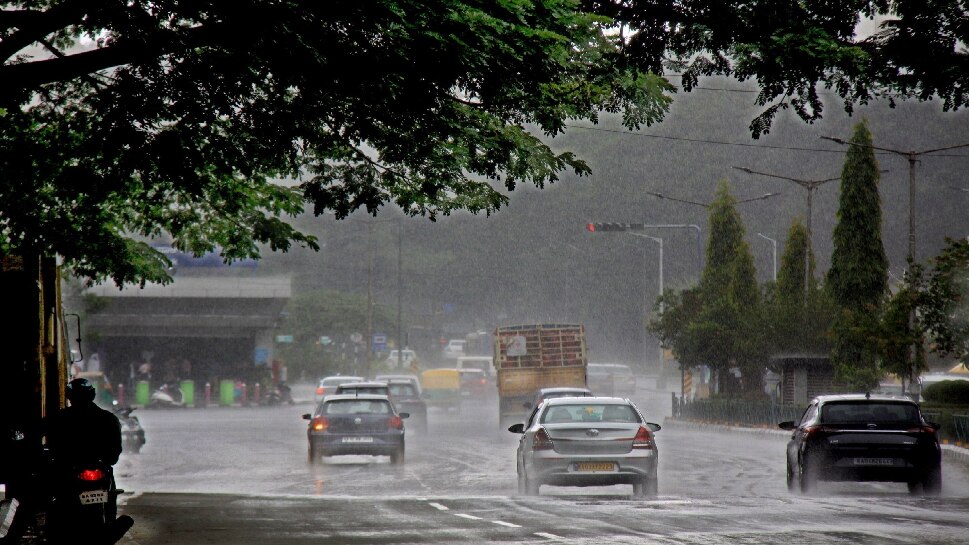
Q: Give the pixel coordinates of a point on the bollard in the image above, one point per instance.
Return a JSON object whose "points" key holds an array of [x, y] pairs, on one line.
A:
{"points": [[142, 393], [244, 394], [121, 395], [208, 393], [188, 392], [256, 390], [226, 393]]}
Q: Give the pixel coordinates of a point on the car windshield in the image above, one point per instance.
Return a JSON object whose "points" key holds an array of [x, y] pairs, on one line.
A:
{"points": [[356, 406], [869, 412], [592, 412], [402, 390]]}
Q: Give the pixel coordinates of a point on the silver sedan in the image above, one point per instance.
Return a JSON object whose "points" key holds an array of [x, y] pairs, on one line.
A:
{"points": [[587, 441]]}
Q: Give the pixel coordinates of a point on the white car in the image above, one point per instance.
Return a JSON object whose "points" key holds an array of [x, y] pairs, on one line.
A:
{"points": [[454, 349], [327, 385], [406, 358]]}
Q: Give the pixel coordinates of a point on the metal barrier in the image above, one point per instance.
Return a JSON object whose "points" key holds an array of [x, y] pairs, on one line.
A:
{"points": [[961, 424], [736, 412]]}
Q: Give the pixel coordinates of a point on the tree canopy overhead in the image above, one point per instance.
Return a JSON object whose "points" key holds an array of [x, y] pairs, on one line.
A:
{"points": [[126, 120]]}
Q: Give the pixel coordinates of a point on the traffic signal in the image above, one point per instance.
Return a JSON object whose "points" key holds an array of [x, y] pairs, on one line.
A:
{"points": [[595, 227]]}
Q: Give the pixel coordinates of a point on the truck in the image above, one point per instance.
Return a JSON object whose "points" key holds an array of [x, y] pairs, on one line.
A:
{"points": [[532, 356]]}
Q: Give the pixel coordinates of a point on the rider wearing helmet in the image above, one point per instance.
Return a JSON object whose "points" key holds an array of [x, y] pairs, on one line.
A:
{"points": [[83, 431]]}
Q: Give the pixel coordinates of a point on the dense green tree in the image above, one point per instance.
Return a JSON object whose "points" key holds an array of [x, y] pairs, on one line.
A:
{"points": [[902, 329], [858, 276], [798, 324], [176, 119], [943, 304], [720, 323]]}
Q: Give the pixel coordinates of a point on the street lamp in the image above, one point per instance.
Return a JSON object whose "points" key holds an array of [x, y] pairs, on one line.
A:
{"points": [[708, 205], [774, 244], [810, 185], [661, 307]]}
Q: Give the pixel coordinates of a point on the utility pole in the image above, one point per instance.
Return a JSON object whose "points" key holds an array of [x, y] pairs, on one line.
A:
{"points": [[368, 353], [810, 185], [400, 288]]}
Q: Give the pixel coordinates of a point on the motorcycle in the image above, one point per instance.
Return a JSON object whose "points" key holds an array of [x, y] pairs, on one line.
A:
{"points": [[132, 434], [167, 395], [86, 499], [280, 393]]}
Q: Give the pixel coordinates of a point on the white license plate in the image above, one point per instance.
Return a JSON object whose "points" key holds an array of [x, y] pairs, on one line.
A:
{"points": [[874, 461], [93, 496], [358, 439]]}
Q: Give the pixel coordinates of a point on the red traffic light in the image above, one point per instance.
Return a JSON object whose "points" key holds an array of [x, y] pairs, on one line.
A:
{"points": [[590, 227]]}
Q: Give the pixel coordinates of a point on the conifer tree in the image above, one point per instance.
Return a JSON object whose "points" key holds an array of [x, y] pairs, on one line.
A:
{"points": [[857, 280]]}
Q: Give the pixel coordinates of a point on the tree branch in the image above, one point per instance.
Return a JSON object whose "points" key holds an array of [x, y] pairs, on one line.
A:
{"points": [[37, 25]]}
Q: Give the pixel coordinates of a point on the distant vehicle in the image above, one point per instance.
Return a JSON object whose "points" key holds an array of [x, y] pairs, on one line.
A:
{"points": [[414, 379], [349, 424], [441, 388], [454, 349], [533, 356], [587, 441], [475, 384], [407, 398], [362, 387], [599, 379], [860, 437], [328, 385], [549, 393], [405, 358], [484, 363]]}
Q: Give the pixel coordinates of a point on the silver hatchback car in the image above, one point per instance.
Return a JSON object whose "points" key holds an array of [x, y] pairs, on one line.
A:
{"points": [[587, 441]]}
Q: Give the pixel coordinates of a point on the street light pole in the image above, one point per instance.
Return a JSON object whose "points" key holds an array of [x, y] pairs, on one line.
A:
{"points": [[810, 185], [661, 304], [774, 244]]}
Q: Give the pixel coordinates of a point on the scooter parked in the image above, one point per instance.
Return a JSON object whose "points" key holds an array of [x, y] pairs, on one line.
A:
{"points": [[132, 434], [277, 394], [167, 395]]}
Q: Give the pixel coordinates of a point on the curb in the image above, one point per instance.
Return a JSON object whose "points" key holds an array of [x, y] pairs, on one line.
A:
{"points": [[949, 452]]}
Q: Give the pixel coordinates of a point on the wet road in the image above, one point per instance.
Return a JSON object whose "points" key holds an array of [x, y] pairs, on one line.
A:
{"points": [[240, 475]]}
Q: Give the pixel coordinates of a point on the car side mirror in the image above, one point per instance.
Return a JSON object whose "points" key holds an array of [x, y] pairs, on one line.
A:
{"points": [[307, 416], [517, 428], [787, 425], [653, 427], [403, 415]]}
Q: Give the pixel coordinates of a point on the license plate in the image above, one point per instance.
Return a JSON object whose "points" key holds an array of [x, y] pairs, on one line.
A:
{"points": [[93, 496], [358, 439], [874, 461], [594, 466]]}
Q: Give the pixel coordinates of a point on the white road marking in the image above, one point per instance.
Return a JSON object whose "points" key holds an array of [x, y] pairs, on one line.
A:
{"points": [[466, 516], [508, 524], [548, 535], [438, 506]]}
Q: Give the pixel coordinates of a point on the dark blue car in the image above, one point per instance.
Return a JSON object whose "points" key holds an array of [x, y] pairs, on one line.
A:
{"points": [[364, 424]]}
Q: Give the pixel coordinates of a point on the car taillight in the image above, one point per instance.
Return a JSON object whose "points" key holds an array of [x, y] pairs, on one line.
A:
{"points": [[643, 439], [811, 432], [922, 429], [542, 441], [320, 390], [91, 475], [483, 381], [395, 422], [320, 423]]}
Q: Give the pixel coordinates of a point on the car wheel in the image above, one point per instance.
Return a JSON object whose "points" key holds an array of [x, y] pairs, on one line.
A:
{"points": [[531, 486], [397, 457], [313, 457], [792, 483], [521, 482], [932, 482], [807, 474]]}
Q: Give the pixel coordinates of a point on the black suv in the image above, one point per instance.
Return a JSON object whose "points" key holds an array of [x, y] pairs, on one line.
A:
{"points": [[863, 437]]}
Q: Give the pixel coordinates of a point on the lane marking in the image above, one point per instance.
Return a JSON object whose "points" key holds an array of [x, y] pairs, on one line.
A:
{"points": [[506, 524], [438, 506], [548, 535], [466, 516]]}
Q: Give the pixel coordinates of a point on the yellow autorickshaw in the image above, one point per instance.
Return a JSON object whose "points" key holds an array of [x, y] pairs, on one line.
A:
{"points": [[442, 388]]}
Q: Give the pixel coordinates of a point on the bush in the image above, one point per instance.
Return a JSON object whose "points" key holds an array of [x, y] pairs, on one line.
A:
{"points": [[955, 392]]}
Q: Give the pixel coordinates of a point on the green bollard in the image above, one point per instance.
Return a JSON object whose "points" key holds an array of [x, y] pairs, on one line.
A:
{"points": [[227, 393], [142, 393], [188, 392]]}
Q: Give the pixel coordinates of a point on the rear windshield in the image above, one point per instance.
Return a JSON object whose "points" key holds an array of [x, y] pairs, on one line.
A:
{"points": [[869, 412], [403, 390], [379, 390], [356, 406], [592, 412]]}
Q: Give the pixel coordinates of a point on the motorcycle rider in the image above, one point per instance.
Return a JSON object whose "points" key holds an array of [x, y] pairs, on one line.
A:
{"points": [[84, 433]]}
